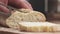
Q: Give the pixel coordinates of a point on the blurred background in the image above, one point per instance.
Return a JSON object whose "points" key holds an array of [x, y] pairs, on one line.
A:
{"points": [[51, 8]]}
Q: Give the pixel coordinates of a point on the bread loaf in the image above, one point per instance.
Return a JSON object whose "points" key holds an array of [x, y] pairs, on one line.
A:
{"points": [[24, 15], [39, 27]]}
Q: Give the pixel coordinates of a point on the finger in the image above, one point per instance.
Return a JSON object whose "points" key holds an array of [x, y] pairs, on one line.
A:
{"points": [[20, 4], [4, 9], [27, 3], [4, 2]]}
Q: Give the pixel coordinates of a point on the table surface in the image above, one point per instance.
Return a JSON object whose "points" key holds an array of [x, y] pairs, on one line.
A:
{"points": [[12, 31]]}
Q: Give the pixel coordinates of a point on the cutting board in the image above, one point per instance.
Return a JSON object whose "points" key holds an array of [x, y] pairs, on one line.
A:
{"points": [[12, 31]]}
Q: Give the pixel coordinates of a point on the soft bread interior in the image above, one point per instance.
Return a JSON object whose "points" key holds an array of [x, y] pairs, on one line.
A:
{"points": [[39, 27]]}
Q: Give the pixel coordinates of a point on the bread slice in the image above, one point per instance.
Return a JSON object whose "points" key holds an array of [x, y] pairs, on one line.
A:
{"points": [[39, 27]]}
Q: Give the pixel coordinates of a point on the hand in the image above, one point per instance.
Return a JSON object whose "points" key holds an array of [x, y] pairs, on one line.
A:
{"points": [[15, 3]]}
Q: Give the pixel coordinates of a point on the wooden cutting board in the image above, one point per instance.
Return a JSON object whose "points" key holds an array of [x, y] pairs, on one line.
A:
{"points": [[12, 31]]}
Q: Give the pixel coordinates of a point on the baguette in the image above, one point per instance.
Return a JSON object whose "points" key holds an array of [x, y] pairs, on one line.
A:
{"points": [[18, 16]]}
